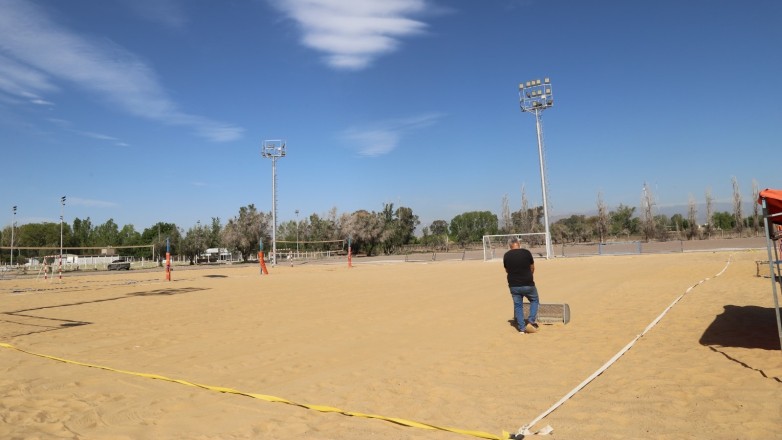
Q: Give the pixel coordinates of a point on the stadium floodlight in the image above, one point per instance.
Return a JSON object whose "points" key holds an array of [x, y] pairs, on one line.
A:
{"points": [[534, 97], [274, 149], [13, 225]]}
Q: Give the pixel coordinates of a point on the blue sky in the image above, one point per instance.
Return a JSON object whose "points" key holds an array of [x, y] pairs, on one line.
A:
{"points": [[155, 110]]}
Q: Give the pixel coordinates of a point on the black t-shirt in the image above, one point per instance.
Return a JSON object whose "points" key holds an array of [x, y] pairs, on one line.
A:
{"points": [[517, 263]]}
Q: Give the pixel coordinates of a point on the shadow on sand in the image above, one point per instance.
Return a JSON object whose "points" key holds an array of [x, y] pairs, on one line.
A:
{"points": [[745, 327], [750, 327]]}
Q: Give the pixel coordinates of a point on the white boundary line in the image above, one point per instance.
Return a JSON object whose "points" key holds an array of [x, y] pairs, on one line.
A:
{"points": [[525, 430]]}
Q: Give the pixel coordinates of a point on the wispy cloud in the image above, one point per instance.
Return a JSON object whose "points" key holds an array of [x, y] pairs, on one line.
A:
{"points": [[19, 81], [36, 54], [383, 137], [102, 137], [170, 13], [352, 33], [66, 125], [77, 201]]}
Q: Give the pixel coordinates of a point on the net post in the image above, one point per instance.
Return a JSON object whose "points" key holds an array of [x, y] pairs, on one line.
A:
{"points": [[168, 259], [350, 254], [264, 271]]}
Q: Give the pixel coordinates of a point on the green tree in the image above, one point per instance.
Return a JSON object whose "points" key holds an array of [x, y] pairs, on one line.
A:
{"points": [[528, 220], [399, 227], [286, 231], [622, 221], [214, 233], [439, 227], [679, 223], [560, 233], [724, 220], [157, 235], [321, 229], [82, 233], [195, 242], [42, 235], [128, 236], [436, 234], [578, 228], [365, 229], [472, 226], [107, 234], [661, 224], [245, 231], [39, 234]]}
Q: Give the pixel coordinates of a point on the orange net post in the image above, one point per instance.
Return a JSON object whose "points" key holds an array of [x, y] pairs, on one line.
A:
{"points": [[168, 266], [264, 271], [168, 260]]}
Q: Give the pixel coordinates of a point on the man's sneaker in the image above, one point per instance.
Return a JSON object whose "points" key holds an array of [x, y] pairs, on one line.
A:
{"points": [[531, 328]]}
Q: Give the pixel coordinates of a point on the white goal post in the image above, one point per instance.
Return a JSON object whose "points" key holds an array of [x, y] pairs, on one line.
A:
{"points": [[495, 246]]}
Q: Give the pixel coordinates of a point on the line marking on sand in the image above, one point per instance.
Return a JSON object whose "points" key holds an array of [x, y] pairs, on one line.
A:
{"points": [[273, 399], [525, 430]]}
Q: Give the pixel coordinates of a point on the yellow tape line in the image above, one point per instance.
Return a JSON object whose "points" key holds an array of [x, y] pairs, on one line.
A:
{"points": [[273, 399]]}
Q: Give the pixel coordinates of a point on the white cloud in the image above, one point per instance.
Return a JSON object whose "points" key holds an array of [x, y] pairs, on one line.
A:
{"points": [[352, 33], [66, 125], [169, 13], [38, 53], [98, 136], [373, 142], [383, 137], [77, 201], [19, 81]]}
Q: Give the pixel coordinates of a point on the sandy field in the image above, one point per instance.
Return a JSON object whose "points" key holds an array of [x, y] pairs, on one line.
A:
{"points": [[426, 342]]}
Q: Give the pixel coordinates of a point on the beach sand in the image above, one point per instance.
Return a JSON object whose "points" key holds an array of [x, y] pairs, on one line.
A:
{"points": [[430, 343]]}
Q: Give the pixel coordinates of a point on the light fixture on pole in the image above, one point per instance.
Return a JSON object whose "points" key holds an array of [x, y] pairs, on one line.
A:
{"points": [[297, 233], [13, 225], [62, 211], [274, 149], [534, 97]]}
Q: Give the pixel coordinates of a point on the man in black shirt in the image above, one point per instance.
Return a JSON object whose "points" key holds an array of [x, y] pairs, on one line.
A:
{"points": [[520, 267]]}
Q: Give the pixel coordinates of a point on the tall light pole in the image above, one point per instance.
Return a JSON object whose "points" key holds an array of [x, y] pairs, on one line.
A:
{"points": [[297, 233], [13, 225], [198, 241], [62, 212], [274, 149], [534, 97]]}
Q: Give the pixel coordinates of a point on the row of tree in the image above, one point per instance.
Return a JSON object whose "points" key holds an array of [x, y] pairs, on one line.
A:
{"points": [[368, 232], [388, 231]]}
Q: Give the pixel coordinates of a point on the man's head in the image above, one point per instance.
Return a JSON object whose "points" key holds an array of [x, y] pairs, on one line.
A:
{"points": [[514, 243]]}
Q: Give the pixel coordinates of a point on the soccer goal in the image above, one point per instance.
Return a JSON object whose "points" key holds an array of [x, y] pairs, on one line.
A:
{"points": [[495, 246]]}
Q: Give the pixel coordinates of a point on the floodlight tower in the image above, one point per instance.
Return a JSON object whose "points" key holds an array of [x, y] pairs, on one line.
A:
{"points": [[13, 226], [274, 149], [534, 97]]}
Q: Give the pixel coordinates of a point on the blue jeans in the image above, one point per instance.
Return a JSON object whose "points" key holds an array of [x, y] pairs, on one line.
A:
{"points": [[519, 293]]}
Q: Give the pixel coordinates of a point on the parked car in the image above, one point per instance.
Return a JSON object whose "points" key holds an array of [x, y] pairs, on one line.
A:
{"points": [[119, 264]]}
